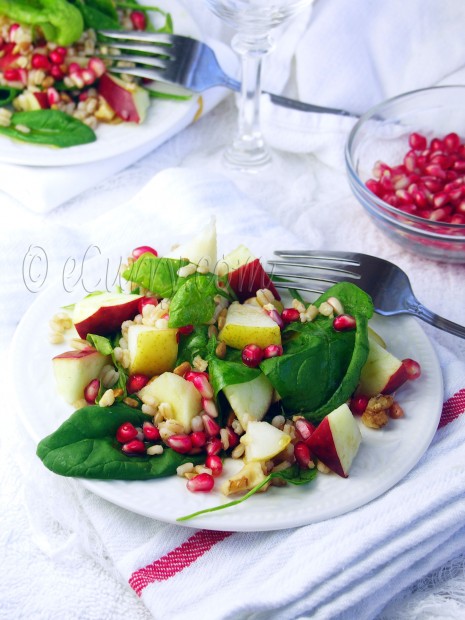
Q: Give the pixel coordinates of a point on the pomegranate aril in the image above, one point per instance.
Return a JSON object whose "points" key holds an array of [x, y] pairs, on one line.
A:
{"points": [[272, 350], [375, 187], [252, 355], [143, 249], [440, 200], [150, 431], [417, 141], [186, 330], [304, 429], [302, 455], [57, 72], [201, 383], [441, 160], [233, 438], [214, 462], [457, 218], [209, 406], [440, 215], [12, 75], [412, 367], [198, 439], [344, 322], [74, 67], [138, 20], [53, 96], [289, 315], [451, 142], [134, 448], [40, 61], [136, 382], [358, 404], [211, 427], [201, 483], [179, 443], [432, 183], [213, 446], [410, 161], [126, 432], [436, 145], [88, 76], [435, 171], [91, 391], [97, 66], [459, 165], [146, 301]]}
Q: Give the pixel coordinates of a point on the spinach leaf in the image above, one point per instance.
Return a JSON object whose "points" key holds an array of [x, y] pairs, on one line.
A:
{"points": [[192, 345], [228, 372], [320, 367], [7, 94], [193, 302], [99, 14], [293, 475], [85, 446], [52, 127], [158, 275]]}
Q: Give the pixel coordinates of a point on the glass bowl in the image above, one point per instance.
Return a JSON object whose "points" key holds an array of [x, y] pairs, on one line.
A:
{"points": [[403, 201]]}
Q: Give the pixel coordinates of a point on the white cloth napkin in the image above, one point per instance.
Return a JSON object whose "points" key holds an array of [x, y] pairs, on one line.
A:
{"points": [[346, 567]]}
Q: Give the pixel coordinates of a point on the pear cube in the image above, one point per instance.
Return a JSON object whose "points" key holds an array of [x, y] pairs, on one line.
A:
{"points": [[201, 250], [182, 396], [248, 324], [152, 351]]}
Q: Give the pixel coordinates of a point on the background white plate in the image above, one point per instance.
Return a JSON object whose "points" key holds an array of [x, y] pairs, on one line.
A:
{"points": [[385, 456], [162, 118]]}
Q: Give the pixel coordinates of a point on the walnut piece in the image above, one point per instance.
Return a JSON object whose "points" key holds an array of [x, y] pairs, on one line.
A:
{"points": [[376, 414]]}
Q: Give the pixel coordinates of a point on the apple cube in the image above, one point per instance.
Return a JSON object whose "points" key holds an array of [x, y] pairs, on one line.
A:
{"points": [[182, 396], [103, 314], [248, 324], [246, 274], [152, 351], [383, 373], [201, 250], [250, 400], [74, 370], [336, 440], [263, 441], [130, 102]]}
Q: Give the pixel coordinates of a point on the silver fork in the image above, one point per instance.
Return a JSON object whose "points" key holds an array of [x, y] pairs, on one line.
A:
{"points": [[181, 60], [387, 284]]}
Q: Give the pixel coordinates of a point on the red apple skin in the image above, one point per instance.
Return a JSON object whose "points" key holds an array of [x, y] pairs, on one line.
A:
{"points": [[247, 279], [42, 99], [321, 444], [119, 99], [396, 380], [76, 354], [107, 319]]}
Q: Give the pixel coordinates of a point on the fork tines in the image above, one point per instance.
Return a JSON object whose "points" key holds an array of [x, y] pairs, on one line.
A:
{"points": [[322, 268]]}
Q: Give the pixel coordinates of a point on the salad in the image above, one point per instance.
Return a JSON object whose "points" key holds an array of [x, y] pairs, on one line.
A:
{"points": [[55, 89], [199, 360]]}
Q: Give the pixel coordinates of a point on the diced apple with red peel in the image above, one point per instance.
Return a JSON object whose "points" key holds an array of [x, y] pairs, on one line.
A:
{"points": [[263, 441], [183, 397], [250, 400], [336, 440], [103, 314], [248, 324], [129, 102], [152, 351], [246, 274], [201, 250], [74, 370], [383, 373]]}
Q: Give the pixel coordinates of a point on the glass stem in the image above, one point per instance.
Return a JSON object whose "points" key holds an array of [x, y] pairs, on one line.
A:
{"points": [[249, 144]]}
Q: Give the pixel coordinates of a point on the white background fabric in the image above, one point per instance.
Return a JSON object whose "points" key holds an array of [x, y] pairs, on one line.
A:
{"points": [[67, 553]]}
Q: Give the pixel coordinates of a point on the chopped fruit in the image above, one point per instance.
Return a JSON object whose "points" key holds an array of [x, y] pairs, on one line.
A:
{"points": [[103, 313], [263, 441], [246, 324], [382, 373], [152, 351], [250, 400], [74, 370]]}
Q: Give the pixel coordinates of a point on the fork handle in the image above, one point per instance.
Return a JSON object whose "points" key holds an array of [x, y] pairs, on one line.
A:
{"points": [[438, 321], [293, 104]]}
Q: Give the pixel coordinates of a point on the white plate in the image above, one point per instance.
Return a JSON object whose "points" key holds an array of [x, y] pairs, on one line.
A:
{"points": [[162, 121], [385, 456]]}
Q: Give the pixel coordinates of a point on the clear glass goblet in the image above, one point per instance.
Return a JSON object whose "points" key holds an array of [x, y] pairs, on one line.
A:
{"points": [[253, 20]]}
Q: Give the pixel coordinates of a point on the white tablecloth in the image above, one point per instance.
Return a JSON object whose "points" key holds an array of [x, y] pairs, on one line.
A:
{"points": [[56, 570]]}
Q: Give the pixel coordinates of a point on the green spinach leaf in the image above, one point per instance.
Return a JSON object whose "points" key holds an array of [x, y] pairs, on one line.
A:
{"points": [[194, 303], [85, 446], [192, 345], [158, 275], [52, 127]]}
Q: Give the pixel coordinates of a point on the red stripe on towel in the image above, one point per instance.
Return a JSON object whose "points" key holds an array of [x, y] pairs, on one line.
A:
{"points": [[452, 408], [176, 560]]}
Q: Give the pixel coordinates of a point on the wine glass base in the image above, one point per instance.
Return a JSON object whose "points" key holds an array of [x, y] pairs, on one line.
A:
{"points": [[246, 159]]}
